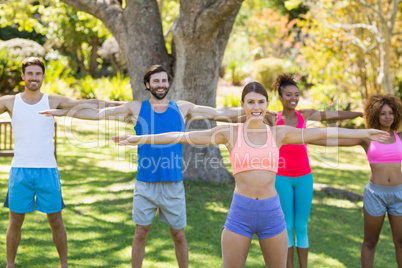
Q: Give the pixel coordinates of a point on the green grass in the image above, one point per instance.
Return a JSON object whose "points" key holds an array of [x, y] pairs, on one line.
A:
{"points": [[97, 183]]}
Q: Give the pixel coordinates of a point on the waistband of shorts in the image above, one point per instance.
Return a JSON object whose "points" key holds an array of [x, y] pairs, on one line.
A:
{"points": [[384, 189], [250, 203]]}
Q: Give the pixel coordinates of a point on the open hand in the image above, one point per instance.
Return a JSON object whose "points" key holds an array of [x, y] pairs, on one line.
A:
{"points": [[378, 135], [53, 112], [126, 139]]}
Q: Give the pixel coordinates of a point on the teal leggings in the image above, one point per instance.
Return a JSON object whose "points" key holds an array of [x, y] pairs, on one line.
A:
{"points": [[296, 196]]}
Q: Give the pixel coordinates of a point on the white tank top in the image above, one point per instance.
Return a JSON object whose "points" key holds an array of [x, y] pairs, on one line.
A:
{"points": [[33, 134]]}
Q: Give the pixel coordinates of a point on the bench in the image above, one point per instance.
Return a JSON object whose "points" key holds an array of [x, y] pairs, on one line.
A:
{"points": [[7, 141]]}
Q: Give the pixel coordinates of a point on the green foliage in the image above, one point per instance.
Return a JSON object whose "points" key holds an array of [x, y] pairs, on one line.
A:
{"points": [[88, 86], [265, 70], [10, 73], [117, 88], [67, 30], [231, 100], [58, 79]]}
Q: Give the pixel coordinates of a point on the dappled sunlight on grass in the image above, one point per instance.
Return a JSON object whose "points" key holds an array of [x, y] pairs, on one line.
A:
{"points": [[322, 260]]}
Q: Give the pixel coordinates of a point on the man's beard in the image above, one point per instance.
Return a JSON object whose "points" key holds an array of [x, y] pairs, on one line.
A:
{"points": [[33, 88], [158, 96]]}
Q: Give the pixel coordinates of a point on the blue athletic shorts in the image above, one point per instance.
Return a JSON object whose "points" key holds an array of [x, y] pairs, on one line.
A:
{"points": [[249, 216], [25, 184], [379, 199]]}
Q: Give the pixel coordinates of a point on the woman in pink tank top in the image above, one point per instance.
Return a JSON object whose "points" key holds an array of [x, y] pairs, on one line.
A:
{"points": [[254, 150], [383, 192], [294, 181]]}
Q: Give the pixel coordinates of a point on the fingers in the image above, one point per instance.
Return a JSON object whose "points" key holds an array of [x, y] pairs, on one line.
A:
{"points": [[119, 138]]}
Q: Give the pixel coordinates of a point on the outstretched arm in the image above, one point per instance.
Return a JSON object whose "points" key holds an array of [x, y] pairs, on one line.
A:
{"points": [[338, 142], [199, 112], [212, 136], [315, 115], [122, 112], [308, 135], [61, 102], [270, 119]]}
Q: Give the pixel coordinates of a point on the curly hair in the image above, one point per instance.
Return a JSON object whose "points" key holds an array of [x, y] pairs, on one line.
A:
{"points": [[282, 81], [372, 110]]}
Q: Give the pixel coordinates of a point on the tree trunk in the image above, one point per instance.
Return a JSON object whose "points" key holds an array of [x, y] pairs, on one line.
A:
{"points": [[200, 35], [93, 65]]}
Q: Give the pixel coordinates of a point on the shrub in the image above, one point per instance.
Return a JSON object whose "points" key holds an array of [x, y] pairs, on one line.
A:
{"points": [[265, 70], [10, 73]]}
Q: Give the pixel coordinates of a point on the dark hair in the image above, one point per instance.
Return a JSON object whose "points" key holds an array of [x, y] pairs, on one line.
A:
{"points": [[154, 69], [254, 87], [33, 61], [282, 81], [373, 106]]}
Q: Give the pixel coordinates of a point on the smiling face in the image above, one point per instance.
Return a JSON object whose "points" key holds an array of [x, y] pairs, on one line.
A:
{"points": [[290, 97], [158, 85], [255, 105], [386, 117], [33, 77]]}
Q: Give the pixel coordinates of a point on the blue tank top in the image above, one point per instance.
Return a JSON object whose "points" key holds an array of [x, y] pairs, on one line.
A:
{"points": [[159, 162]]}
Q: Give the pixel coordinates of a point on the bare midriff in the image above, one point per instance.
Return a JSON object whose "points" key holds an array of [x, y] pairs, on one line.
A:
{"points": [[256, 184], [386, 174]]}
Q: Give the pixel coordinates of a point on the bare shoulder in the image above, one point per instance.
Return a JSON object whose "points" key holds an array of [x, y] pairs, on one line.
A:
{"points": [[7, 101], [134, 106], [184, 105], [55, 100], [7, 98], [307, 112]]}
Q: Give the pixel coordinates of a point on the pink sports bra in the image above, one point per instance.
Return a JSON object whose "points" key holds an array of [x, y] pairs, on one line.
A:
{"points": [[385, 153], [244, 157]]}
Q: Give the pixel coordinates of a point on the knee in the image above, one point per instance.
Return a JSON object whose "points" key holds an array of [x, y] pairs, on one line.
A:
{"points": [[398, 242], [301, 229], [178, 236], [370, 243], [56, 223], [141, 232], [16, 223]]}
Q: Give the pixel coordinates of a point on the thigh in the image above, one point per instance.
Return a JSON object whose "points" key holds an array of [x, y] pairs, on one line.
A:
{"points": [[48, 190], [372, 226], [235, 249], [303, 198], [275, 250], [172, 205], [396, 228], [21, 191], [144, 207], [285, 191]]}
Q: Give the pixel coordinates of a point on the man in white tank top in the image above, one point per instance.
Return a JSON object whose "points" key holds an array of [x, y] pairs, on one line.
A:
{"points": [[34, 169]]}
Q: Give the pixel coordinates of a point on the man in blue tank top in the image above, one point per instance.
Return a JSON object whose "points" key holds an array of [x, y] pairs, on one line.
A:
{"points": [[159, 182], [34, 182]]}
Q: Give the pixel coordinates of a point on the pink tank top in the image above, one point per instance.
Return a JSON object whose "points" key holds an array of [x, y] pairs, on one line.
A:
{"points": [[293, 159], [385, 153], [244, 157]]}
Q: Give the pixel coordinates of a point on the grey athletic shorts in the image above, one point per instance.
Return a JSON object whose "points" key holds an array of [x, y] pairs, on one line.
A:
{"points": [[378, 199], [168, 197]]}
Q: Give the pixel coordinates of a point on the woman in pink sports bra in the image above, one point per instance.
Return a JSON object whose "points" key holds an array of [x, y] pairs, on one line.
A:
{"points": [[383, 192], [254, 152], [294, 180]]}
